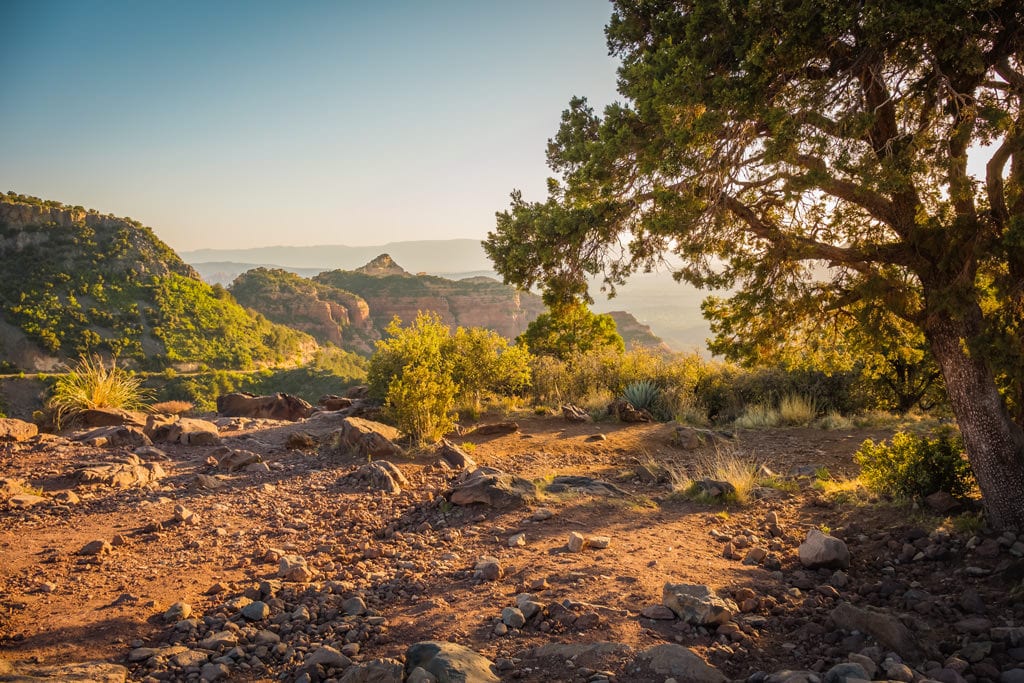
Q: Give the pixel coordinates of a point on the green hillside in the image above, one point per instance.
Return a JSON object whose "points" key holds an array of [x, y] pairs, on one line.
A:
{"points": [[76, 282]]}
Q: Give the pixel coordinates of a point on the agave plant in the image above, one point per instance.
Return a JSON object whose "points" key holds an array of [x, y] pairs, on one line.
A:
{"points": [[643, 395]]}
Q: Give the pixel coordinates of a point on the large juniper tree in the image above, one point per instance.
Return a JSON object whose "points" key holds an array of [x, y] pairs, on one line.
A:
{"points": [[813, 156]]}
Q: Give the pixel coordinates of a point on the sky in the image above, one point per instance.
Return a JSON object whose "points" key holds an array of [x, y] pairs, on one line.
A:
{"points": [[243, 123]]}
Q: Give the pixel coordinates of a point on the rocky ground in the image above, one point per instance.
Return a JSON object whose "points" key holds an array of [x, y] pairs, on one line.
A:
{"points": [[255, 550]]}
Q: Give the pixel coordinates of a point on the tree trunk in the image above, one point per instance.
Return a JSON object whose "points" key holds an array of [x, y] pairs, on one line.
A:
{"points": [[994, 442]]}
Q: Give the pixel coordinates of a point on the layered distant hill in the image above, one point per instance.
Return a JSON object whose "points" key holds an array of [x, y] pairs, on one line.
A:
{"points": [[418, 256], [669, 308], [352, 308], [76, 282]]}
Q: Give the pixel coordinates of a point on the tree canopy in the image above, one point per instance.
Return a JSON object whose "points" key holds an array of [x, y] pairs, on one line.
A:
{"points": [[813, 157]]}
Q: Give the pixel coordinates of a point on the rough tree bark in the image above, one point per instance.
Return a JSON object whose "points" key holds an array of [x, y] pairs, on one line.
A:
{"points": [[994, 442]]}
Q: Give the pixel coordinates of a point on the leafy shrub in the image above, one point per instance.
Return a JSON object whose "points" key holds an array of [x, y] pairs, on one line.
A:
{"points": [[90, 385], [911, 466], [797, 410], [421, 401]]}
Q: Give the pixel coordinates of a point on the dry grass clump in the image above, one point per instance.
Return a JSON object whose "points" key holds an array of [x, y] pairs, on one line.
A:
{"points": [[172, 407], [89, 385], [833, 420], [758, 416], [796, 410], [731, 467]]}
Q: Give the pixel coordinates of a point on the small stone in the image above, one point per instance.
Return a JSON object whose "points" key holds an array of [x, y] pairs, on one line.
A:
{"points": [[821, 550], [97, 547], [500, 629], [517, 541], [219, 639], [178, 611], [755, 556], [354, 606], [576, 542], [184, 515], [214, 671], [256, 611], [488, 569], [897, 671], [599, 542], [513, 617]]}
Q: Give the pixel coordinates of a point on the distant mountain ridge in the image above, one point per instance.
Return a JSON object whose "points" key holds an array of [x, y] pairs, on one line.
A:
{"points": [[352, 308], [429, 256]]}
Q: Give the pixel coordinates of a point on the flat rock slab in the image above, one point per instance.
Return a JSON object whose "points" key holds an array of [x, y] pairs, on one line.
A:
{"points": [[454, 457], [115, 436], [110, 417], [450, 663], [494, 488], [85, 672], [120, 474], [677, 662], [496, 429], [588, 485], [16, 430]]}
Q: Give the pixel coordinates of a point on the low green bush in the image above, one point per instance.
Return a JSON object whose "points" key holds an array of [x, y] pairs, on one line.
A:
{"points": [[912, 466]]}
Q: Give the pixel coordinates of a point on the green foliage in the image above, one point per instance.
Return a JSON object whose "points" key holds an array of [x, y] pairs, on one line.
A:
{"points": [[643, 395], [568, 329], [92, 284], [421, 400], [331, 371], [912, 466], [198, 324], [812, 159], [425, 342], [90, 385]]}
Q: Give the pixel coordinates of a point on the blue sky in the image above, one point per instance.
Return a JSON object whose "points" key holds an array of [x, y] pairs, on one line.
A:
{"points": [[245, 123]]}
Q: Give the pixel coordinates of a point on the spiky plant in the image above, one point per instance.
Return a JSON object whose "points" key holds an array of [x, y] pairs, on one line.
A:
{"points": [[90, 385], [643, 395]]}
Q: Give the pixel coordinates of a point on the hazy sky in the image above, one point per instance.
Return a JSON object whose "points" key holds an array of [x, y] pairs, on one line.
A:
{"points": [[245, 123]]}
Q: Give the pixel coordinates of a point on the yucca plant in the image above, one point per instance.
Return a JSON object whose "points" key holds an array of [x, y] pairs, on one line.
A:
{"points": [[90, 385], [643, 395]]}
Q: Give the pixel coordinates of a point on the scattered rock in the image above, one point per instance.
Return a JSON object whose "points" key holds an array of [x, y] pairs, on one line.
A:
{"points": [[496, 429], [16, 430], [697, 604], [822, 551], [678, 662], [295, 568], [493, 488], [517, 540], [301, 441], [449, 662], [454, 457], [115, 437], [382, 475], [97, 547], [235, 460], [886, 630], [576, 542], [712, 488], [625, 412], [575, 414], [24, 501], [177, 612], [376, 671], [127, 473], [585, 485], [83, 672], [363, 439]]}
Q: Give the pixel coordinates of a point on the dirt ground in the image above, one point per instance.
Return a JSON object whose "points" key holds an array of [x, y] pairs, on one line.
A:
{"points": [[412, 556]]}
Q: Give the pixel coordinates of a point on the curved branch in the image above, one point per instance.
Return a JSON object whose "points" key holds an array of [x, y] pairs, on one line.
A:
{"points": [[875, 204]]}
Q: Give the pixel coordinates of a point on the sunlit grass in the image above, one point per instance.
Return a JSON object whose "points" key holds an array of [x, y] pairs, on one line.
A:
{"points": [[797, 410], [758, 416], [89, 385]]}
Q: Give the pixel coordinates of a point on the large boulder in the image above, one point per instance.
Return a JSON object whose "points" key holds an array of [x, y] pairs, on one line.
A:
{"points": [[697, 604], [188, 431], [675, 661], [820, 550], [273, 407], [450, 663], [492, 487], [364, 439], [16, 430], [454, 457]]}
